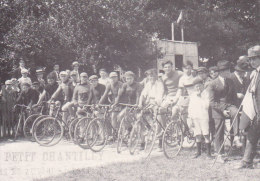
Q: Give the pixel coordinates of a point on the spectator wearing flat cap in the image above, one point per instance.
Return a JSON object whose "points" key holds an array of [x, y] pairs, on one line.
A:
{"points": [[203, 74], [8, 100], [249, 120], [97, 89], [40, 77], [221, 95], [75, 68], [27, 96], [24, 78]]}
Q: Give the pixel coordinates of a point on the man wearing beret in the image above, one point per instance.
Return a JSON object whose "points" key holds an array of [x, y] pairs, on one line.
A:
{"points": [[250, 118], [222, 96]]}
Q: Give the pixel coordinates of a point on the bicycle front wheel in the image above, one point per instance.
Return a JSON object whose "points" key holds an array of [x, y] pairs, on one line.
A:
{"points": [[135, 136], [172, 140], [48, 131], [122, 136], [28, 124], [96, 135], [80, 131], [150, 139]]}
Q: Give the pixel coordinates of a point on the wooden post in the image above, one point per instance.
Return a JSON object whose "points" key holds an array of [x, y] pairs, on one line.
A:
{"points": [[172, 31]]}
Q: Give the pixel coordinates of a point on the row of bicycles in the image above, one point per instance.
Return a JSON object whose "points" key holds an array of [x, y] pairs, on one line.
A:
{"points": [[139, 128]]}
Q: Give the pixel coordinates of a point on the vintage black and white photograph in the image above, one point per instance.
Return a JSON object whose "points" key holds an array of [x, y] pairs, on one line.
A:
{"points": [[129, 90]]}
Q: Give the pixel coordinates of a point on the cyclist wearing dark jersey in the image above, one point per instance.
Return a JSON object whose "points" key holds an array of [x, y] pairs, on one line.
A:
{"points": [[97, 89]]}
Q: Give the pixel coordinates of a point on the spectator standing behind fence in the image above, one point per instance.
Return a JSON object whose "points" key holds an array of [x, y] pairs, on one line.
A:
{"points": [[75, 66], [8, 102]]}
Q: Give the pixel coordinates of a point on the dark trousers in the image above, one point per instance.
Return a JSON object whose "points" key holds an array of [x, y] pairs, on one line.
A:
{"points": [[252, 139], [232, 112], [219, 125]]}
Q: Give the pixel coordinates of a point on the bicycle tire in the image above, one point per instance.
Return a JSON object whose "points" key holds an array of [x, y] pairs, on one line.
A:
{"points": [[121, 136], [72, 129], [27, 127], [134, 137], [150, 139], [169, 138], [78, 139], [99, 129], [49, 123]]}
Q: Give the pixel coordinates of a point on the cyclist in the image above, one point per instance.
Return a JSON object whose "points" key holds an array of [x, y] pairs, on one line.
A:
{"points": [[97, 89], [129, 93], [66, 89], [103, 77], [170, 80], [111, 93], [152, 95]]}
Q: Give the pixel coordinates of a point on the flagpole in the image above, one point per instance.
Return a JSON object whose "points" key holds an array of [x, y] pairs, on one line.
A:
{"points": [[172, 31], [182, 33]]}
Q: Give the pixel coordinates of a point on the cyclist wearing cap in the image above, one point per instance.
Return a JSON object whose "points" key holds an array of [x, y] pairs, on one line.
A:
{"points": [[111, 93], [97, 89], [112, 89], [129, 93], [28, 96], [82, 93], [66, 89]]}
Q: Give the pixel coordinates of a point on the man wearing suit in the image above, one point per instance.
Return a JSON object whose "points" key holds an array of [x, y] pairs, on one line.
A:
{"points": [[240, 86], [221, 95], [250, 118], [55, 72]]}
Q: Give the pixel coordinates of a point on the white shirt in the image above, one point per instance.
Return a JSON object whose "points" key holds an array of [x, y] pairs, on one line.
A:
{"points": [[23, 80], [104, 81], [199, 106], [153, 92], [187, 81]]}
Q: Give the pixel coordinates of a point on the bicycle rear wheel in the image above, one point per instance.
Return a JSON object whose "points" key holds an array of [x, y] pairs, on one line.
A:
{"points": [[80, 131], [122, 136], [27, 128], [150, 139], [135, 136], [96, 135], [172, 140], [48, 132]]}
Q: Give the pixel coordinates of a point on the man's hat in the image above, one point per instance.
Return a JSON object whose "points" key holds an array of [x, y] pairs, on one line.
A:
{"points": [[75, 63], [129, 74], [242, 67], [254, 51], [26, 84], [113, 74], [83, 74], [73, 73], [93, 77], [63, 73], [40, 70], [36, 83], [243, 59], [8, 82], [213, 68], [24, 71], [202, 69], [223, 65]]}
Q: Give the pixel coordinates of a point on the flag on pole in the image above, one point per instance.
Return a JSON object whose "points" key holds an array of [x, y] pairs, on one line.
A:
{"points": [[180, 18], [249, 110]]}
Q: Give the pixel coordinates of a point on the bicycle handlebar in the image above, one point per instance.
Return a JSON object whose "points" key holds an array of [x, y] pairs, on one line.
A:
{"points": [[127, 105], [21, 105]]}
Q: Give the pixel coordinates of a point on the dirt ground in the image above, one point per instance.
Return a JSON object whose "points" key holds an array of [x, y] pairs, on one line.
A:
{"points": [[23, 160]]}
